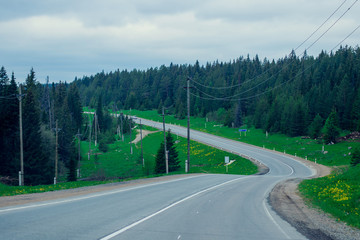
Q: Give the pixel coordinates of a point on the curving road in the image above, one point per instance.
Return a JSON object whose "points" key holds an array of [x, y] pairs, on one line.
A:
{"points": [[190, 207]]}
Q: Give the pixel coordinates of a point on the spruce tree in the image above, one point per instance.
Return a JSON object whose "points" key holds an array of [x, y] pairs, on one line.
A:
{"points": [[160, 166], [315, 127], [331, 129], [9, 126], [75, 107], [238, 115], [36, 164], [173, 155]]}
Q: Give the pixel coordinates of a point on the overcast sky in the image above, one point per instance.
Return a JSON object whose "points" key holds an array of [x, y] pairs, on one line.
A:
{"points": [[67, 38]]}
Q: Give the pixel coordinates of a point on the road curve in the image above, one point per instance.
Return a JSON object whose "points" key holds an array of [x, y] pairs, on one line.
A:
{"points": [[191, 207]]}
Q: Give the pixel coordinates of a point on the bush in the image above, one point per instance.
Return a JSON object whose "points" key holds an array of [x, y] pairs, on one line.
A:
{"points": [[103, 146]]}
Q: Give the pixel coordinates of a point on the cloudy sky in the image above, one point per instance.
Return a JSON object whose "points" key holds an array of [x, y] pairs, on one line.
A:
{"points": [[67, 38]]}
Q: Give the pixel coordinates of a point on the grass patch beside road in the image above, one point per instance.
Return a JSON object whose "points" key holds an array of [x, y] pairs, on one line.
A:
{"points": [[6, 190], [333, 155], [338, 194]]}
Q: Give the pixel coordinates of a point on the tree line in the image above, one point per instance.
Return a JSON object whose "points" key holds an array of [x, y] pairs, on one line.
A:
{"points": [[294, 95], [43, 108]]}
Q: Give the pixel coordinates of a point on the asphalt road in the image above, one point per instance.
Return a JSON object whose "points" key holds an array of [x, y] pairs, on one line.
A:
{"points": [[191, 207]]}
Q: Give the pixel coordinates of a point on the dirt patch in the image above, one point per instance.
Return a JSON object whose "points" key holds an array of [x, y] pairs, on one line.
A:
{"points": [[144, 134], [311, 222]]}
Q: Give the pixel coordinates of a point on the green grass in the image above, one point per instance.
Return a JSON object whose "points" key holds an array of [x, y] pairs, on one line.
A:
{"points": [[335, 155], [119, 163], [338, 194], [6, 190]]}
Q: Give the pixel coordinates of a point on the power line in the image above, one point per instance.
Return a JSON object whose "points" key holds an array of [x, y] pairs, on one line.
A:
{"points": [[210, 97], [311, 45], [312, 34]]}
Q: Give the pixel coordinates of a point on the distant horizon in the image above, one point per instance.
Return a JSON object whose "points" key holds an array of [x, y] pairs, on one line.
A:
{"points": [[43, 81]]}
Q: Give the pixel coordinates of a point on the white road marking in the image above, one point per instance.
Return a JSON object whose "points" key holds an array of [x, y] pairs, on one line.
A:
{"points": [[92, 195], [120, 231], [273, 220]]}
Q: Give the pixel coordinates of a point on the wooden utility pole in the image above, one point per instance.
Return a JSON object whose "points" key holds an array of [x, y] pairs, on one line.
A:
{"points": [[165, 150], [188, 124], [95, 129], [21, 174], [79, 155], [142, 152], [90, 127], [131, 148], [122, 132], [56, 152]]}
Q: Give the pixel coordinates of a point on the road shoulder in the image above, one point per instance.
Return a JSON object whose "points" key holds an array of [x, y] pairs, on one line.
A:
{"points": [[313, 223], [7, 201]]}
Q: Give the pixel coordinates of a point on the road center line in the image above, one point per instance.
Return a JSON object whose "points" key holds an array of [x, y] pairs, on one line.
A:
{"points": [[120, 231]]}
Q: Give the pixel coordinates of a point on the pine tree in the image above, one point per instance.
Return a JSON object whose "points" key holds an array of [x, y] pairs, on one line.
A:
{"points": [[238, 115], [331, 129], [9, 126], [100, 114], [75, 107], [36, 164], [315, 127], [160, 166], [173, 155], [356, 112]]}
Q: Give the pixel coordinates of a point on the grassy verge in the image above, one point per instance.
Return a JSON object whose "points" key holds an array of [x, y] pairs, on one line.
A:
{"points": [[337, 194], [119, 162], [333, 155], [6, 190]]}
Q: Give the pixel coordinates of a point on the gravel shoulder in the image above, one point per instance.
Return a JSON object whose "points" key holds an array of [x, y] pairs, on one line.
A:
{"points": [[313, 223]]}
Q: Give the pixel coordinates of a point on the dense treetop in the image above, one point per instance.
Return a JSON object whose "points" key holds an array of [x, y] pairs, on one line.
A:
{"points": [[286, 95]]}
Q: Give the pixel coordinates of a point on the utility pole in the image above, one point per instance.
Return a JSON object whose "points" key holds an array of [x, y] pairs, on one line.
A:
{"points": [[131, 149], [49, 102], [90, 127], [56, 152], [79, 155], [122, 132], [142, 152], [165, 150], [95, 129], [21, 173], [188, 123]]}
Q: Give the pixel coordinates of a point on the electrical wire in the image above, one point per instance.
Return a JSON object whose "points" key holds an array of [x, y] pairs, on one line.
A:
{"points": [[312, 34], [311, 45], [275, 87]]}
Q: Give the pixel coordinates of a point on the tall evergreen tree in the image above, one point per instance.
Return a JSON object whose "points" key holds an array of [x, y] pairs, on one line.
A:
{"points": [[355, 113], [36, 164], [9, 126], [75, 107], [100, 114], [331, 129], [173, 155], [238, 115], [315, 127], [160, 166]]}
